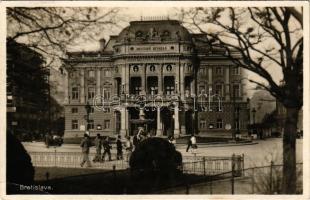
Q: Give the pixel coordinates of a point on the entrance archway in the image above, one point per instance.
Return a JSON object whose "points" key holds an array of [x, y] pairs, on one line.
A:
{"points": [[168, 121]]}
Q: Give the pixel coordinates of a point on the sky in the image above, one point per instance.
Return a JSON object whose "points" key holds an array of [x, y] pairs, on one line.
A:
{"points": [[136, 13]]}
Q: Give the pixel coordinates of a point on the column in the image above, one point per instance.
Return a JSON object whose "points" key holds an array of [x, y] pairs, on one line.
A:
{"points": [[160, 81], [66, 87], [193, 87], [183, 122], [127, 70], [177, 78], [243, 90], [182, 81], [124, 121], [210, 77], [227, 91], [98, 83], [143, 86], [159, 124], [176, 122], [82, 87]]}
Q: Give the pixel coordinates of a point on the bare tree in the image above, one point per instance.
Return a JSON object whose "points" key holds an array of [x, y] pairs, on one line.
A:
{"points": [[50, 30], [263, 40]]}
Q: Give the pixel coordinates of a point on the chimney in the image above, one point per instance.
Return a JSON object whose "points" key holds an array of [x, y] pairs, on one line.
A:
{"points": [[102, 44]]}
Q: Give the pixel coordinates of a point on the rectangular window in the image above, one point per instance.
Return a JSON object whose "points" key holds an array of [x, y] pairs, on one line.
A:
{"points": [[74, 124], [169, 90], [106, 124], [74, 110], [137, 90], [106, 94], [91, 92], [92, 109], [75, 93], [107, 73], [106, 110], [219, 123], [90, 124], [153, 90], [219, 89], [202, 71], [236, 90], [218, 70], [237, 124], [203, 124], [91, 74], [235, 71]]}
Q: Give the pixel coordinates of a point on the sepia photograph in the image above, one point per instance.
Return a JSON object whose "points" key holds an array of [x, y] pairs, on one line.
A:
{"points": [[155, 100]]}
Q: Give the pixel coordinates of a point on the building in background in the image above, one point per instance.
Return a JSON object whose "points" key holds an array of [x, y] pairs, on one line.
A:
{"points": [[27, 92], [160, 63]]}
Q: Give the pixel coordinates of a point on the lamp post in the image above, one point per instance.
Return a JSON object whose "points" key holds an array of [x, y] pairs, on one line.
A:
{"points": [[87, 108]]}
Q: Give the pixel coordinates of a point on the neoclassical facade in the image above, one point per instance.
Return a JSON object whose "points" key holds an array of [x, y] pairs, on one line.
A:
{"points": [[182, 84]]}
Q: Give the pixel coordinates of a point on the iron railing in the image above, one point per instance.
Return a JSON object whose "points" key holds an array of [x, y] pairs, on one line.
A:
{"points": [[201, 165], [255, 180]]}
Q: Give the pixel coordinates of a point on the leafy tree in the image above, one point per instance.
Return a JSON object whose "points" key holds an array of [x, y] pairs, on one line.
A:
{"points": [[262, 40]]}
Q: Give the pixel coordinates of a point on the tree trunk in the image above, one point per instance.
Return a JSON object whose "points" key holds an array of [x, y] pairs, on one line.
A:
{"points": [[289, 151]]}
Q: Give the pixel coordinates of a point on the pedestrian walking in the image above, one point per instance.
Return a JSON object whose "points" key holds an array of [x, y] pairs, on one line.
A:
{"points": [[98, 145], [194, 143], [119, 148], [129, 147], [47, 140], [85, 144], [189, 144], [172, 140], [106, 148]]}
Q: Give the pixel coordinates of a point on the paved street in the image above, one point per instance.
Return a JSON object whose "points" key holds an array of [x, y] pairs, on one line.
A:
{"points": [[255, 155]]}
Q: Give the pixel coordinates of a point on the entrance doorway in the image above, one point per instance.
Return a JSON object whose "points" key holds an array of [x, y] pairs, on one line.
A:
{"points": [[189, 122], [168, 121]]}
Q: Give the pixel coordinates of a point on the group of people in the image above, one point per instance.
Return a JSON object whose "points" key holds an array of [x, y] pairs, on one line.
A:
{"points": [[129, 145], [103, 143]]}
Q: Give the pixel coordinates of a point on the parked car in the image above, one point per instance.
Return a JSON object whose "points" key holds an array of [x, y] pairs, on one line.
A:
{"points": [[54, 140]]}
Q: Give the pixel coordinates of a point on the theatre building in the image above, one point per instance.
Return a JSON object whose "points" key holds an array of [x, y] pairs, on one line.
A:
{"points": [[160, 69]]}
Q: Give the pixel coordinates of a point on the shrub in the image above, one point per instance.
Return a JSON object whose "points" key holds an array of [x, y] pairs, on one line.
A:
{"points": [[155, 157]]}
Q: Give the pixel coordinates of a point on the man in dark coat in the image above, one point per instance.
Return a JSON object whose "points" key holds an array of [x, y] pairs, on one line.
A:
{"points": [[98, 144], [85, 144], [106, 148], [119, 148]]}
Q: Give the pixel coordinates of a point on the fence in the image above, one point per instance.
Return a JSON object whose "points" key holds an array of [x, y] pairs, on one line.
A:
{"points": [[211, 165], [256, 180], [191, 164]]}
